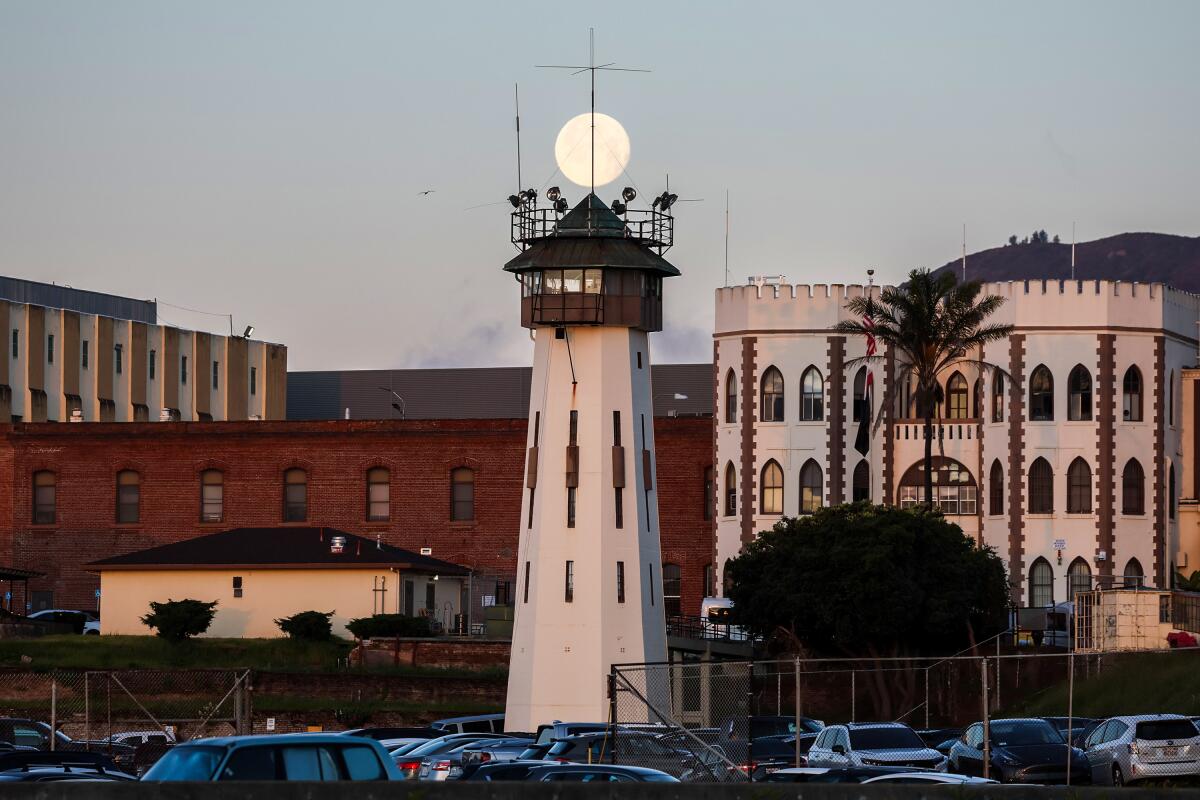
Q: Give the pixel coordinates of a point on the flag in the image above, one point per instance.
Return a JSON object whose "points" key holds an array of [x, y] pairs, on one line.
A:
{"points": [[862, 441]]}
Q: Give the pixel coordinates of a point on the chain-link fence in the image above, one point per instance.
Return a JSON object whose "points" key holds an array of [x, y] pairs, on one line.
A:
{"points": [[998, 713]]}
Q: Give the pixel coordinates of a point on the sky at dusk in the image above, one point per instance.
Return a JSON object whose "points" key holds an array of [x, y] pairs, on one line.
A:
{"points": [[264, 159]]}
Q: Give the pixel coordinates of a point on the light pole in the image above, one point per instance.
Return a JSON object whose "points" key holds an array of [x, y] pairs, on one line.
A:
{"points": [[397, 406]]}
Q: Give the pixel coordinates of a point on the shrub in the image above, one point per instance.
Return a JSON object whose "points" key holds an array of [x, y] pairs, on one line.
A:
{"points": [[176, 620], [309, 626], [382, 625]]}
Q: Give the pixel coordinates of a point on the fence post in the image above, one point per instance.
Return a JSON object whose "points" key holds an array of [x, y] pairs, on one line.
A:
{"points": [[53, 713], [87, 711], [853, 696], [250, 701], [1070, 707], [612, 698], [238, 707], [987, 733], [996, 703], [799, 710], [927, 698]]}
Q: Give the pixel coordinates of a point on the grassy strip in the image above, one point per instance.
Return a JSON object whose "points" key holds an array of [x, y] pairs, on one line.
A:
{"points": [[1143, 683], [150, 652]]}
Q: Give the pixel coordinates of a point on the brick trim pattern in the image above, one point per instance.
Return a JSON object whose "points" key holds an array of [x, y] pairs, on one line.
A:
{"points": [[1161, 578], [1106, 453], [1016, 465], [889, 417], [749, 478], [718, 469], [835, 481]]}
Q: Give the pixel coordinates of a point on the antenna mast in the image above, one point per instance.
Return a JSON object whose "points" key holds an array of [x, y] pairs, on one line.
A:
{"points": [[726, 237], [1072, 251], [517, 105]]}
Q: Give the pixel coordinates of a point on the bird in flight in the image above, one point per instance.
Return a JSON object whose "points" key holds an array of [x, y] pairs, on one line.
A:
{"points": [[427, 191]]}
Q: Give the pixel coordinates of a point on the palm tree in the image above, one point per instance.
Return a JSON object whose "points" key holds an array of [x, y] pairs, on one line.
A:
{"points": [[932, 323]]}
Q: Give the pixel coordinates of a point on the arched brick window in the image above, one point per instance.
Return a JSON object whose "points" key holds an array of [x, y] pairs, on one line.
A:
{"points": [[1041, 584], [1079, 487], [957, 399], [1041, 487], [1133, 488], [770, 495], [462, 494], [1079, 394], [1041, 395], [1131, 395], [812, 395], [772, 396], [730, 396]]}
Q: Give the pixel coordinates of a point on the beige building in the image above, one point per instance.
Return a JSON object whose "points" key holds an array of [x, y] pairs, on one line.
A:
{"points": [[258, 575], [1189, 494], [73, 355]]}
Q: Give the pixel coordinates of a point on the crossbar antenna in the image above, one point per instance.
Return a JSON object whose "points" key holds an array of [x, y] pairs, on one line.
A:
{"points": [[592, 67], [517, 107], [1072, 251]]}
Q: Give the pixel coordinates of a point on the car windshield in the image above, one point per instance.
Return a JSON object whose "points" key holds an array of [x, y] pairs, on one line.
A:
{"points": [[1161, 729], [1015, 734], [435, 747], [898, 738], [560, 748], [405, 749], [656, 778], [190, 763], [771, 727]]}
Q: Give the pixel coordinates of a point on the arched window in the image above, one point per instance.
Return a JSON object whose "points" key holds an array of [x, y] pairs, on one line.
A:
{"points": [[1041, 395], [998, 398], [772, 396], [671, 589], [212, 495], [295, 495], [1079, 487], [45, 484], [812, 400], [1041, 487], [709, 498], [1172, 500], [730, 396], [954, 487], [977, 399], [1079, 393], [770, 496], [1079, 578], [379, 494], [1133, 488], [462, 494], [129, 496], [811, 485], [956, 397], [730, 490], [1131, 395], [1135, 576], [996, 489], [862, 482], [1041, 584], [862, 409]]}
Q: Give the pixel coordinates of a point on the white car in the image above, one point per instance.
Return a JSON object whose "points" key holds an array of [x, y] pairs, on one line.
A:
{"points": [[1122, 750], [135, 738], [873, 744], [91, 625]]}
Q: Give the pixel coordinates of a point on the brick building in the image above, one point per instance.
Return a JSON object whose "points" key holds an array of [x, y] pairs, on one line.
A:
{"points": [[72, 494]]}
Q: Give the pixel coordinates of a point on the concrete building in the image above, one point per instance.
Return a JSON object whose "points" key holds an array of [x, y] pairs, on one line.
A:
{"points": [[1069, 467], [259, 575], [589, 556], [73, 355]]}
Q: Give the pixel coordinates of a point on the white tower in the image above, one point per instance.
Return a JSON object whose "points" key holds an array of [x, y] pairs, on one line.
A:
{"points": [[589, 581]]}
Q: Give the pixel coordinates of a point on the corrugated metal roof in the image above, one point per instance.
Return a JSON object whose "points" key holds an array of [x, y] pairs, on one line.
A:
{"points": [[598, 251], [19, 290], [465, 393]]}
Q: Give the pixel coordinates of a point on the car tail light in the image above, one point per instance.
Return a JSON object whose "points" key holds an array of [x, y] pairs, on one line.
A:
{"points": [[562, 760], [441, 766], [409, 765], [1133, 748]]}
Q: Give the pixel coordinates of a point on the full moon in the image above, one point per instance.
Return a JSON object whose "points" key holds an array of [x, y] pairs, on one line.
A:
{"points": [[572, 149]]}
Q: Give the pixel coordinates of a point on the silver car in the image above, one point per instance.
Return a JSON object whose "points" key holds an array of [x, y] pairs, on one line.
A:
{"points": [[1126, 749], [868, 744]]}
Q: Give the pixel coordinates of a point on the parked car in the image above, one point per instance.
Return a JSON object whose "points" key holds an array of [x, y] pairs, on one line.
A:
{"points": [[504, 771], [1080, 727], [37, 735], [1020, 751], [84, 622], [1133, 748], [934, 737], [280, 757], [929, 778], [389, 734], [46, 767], [487, 751], [135, 738], [557, 730], [479, 723], [833, 775], [626, 747], [411, 762], [866, 744], [598, 773], [449, 765]]}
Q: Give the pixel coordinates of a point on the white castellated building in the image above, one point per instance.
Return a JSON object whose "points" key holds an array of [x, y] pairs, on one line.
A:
{"points": [[1069, 469]]}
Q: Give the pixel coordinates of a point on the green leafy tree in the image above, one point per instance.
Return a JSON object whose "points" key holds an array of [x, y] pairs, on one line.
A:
{"points": [[933, 323], [870, 582], [1012, 240], [177, 620], [309, 626], [1188, 584], [384, 625]]}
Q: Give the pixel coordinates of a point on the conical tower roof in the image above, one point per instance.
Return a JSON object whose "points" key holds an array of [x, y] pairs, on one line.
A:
{"points": [[590, 235]]}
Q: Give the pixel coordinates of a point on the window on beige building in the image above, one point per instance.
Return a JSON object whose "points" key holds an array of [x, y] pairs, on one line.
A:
{"points": [[770, 497]]}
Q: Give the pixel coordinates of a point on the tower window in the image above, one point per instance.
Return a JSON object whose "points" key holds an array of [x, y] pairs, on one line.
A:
{"points": [[569, 587], [671, 583], [16, 343], [83, 354], [183, 369], [254, 380], [50, 348], [812, 399], [216, 374], [153, 363], [1079, 394], [1041, 395], [772, 396], [620, 581], [117, 353]]}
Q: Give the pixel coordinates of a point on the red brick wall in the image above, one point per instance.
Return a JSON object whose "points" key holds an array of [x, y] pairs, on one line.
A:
{"points": [[253, 455]]}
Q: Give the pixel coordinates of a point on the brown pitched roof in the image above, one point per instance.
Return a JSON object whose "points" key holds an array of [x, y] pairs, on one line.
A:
{"points": [[276, 548]]}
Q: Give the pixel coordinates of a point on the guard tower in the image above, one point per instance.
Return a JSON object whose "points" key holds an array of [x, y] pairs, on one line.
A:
{"points": [[589, 584]]}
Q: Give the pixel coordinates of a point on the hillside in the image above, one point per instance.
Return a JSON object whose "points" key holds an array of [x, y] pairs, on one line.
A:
{"points": [[1143, 257]]}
